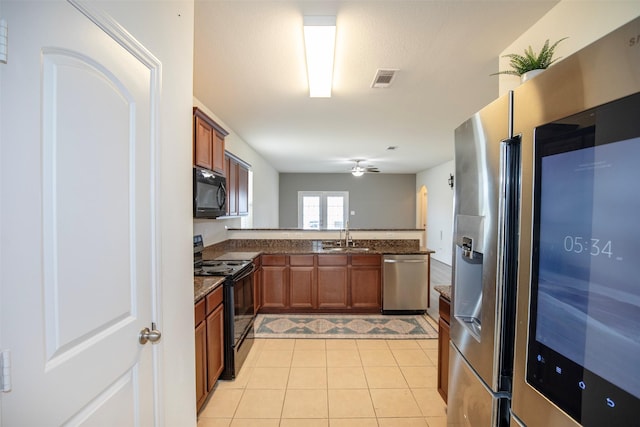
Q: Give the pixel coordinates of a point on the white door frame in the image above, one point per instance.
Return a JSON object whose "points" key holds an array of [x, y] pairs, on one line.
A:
{"points": [[132, 46]]}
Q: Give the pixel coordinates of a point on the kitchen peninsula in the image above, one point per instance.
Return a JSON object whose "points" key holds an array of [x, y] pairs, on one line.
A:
{"points": [[311, 272], [314, 271]]}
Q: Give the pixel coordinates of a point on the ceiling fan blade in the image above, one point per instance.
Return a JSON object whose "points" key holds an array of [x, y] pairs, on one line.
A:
{"points": [[363, 169]]}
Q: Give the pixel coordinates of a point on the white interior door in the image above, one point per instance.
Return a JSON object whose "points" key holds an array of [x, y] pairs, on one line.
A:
{"points": [[79, 240]]}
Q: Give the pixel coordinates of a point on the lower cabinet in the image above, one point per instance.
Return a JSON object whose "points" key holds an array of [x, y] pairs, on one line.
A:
{"points": [[443, 346], [215, 346], [366, 282], [302, 281], [275, 282], [333, 289], [257, 287], [201, 362], [209, 337], [309, 283]]}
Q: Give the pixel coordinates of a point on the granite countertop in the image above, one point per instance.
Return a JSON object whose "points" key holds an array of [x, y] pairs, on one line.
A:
{"points": [[302, 247], [202, 285], [444, 290], [314, 230], [243, 248], [311, 251]]}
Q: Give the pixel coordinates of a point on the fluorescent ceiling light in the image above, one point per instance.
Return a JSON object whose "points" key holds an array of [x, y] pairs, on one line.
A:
{"points": [[319, 42]]}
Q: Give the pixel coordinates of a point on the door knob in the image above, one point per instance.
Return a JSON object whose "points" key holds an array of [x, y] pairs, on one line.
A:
{"points": [[147, 334]]}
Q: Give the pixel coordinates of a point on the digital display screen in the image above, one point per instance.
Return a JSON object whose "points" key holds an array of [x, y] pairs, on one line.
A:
{"points": [[584, 342]]}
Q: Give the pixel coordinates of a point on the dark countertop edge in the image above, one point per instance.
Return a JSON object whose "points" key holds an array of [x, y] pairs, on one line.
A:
{"points": [[324, 230], [444, 290], [292, 251], [204, 285]]}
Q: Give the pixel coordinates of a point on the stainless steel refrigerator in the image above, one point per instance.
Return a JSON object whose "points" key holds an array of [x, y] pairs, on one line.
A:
{"points": [[545, 325]]}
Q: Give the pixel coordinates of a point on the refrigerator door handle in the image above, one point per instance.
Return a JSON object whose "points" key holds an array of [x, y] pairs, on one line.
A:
{"points": [[507, 257]]}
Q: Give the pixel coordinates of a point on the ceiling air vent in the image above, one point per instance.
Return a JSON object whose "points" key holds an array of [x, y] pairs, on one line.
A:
{"points": [[384, 77]]}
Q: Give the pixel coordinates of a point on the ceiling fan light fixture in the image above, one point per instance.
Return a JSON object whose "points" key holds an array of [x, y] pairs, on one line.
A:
{"points": [[319, 42], [358, 170]]}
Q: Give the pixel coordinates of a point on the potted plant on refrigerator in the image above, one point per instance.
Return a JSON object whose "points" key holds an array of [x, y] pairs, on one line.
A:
{"points": [[531, 63]]}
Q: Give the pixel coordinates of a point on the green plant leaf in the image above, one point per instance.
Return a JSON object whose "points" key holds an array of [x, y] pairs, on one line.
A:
{"points": [[521, 64]]}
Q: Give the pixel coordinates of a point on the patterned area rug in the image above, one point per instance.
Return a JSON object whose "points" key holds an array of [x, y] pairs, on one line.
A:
{"points": [[343, 326]]}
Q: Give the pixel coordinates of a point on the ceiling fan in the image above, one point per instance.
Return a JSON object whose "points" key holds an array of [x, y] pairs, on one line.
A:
{"points": [[358, 170]]}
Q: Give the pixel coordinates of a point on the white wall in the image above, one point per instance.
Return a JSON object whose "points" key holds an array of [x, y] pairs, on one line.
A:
{"points": [[264, 189], [583, 21], [1, 210], [166, 29], [439, 209]]}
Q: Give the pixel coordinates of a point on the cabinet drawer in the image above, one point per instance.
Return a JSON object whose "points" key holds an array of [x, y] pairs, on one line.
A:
{"points": [[444, 309], [301, 259], [365, 260], [274, 260], [332, 260], [214, 299], [200, 312]]}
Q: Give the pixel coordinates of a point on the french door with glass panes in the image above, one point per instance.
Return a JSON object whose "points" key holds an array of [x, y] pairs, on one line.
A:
{"points": [[323, 210]]}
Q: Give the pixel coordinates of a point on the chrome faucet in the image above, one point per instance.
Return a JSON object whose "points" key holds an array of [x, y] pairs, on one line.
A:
{"points": [[347, 237]]}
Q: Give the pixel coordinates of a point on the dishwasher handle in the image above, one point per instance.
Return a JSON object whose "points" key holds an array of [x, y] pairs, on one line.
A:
{"points": [[402, 261]]}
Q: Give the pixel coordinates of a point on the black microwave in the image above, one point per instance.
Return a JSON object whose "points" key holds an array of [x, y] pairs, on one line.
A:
{"points": [[209, 194]]}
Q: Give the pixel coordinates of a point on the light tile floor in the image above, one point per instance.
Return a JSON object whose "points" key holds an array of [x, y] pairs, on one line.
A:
{"points": [[331, 383]]}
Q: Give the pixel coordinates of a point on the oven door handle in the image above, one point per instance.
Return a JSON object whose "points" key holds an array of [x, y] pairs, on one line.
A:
{"points": [[250, 271]]}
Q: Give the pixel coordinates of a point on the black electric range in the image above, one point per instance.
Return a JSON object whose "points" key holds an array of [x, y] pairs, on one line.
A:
{"points": [[238, 311], [221, 268]]}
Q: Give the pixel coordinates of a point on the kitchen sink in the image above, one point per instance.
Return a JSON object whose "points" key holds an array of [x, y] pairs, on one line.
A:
{"points": [[343, 249]]}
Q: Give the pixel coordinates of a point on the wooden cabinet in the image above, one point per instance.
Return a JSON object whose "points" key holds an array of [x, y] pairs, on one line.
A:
{"points": [[366, 282], [257, 285], [443, 346], [202, 147], [237, 186], [201, 354], [217, 152], [209, 337], [332, 281], [323, 283], [243, 190], [215, 333], [302, 281], [232, 186], [275, 281], [208, 142]]}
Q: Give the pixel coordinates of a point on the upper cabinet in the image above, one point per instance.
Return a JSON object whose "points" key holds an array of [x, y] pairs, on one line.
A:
{"points": [[208, 143], [237, 186]]}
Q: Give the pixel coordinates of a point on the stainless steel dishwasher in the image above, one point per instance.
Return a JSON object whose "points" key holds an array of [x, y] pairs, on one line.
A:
{"points": [[405, 283]]}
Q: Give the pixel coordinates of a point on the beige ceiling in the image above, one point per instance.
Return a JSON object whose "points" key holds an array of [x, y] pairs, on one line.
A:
{"points": [[249, 69]]}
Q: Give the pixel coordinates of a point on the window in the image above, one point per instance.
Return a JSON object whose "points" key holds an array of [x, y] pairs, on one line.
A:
{"points": [[322, 210]]}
